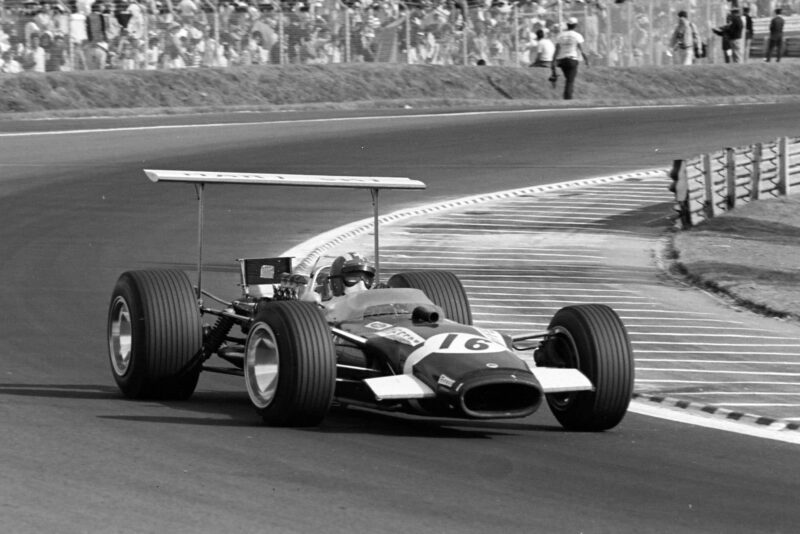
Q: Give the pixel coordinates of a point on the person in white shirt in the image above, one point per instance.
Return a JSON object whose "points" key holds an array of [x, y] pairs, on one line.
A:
{"points": [[37, 54], [568, 54], [545, 49], [10, 65], [683, 40]]}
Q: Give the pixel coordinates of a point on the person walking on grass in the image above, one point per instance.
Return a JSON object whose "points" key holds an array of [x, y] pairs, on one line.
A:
{"points": [[568, 54]]}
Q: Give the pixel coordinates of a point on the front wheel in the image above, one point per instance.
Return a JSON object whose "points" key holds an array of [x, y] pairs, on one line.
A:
{"points": [[154, 331], [592, 338], [290, 364]]}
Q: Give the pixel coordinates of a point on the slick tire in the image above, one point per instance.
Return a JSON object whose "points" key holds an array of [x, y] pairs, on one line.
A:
{"points": [[593, 339], [290, 364], [154, 331], [442, 287]]}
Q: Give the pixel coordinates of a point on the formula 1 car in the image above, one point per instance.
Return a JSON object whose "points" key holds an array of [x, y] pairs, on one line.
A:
{"points": [[407, 345]]}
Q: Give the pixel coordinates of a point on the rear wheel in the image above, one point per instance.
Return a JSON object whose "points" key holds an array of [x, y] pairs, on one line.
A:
{"points": [[290, 364], [592, 339], [442, 287], [154, 331]]}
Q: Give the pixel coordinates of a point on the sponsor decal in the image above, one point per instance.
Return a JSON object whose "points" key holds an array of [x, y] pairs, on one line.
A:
{"points": [[402, 335], [446, 381], [267, 271], [377, 325], [492, 365]]}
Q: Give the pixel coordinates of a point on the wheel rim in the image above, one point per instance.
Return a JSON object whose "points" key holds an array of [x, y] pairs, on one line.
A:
{"points": [[262, 365], [120, 339], [567, 349]]}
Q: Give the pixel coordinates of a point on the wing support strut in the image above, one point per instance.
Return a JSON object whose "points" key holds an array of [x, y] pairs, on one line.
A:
{"points": [[376, 241], [200, 189]]}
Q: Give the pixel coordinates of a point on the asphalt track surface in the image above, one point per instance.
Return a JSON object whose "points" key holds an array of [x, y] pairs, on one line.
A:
{"points": [[75, 211]]}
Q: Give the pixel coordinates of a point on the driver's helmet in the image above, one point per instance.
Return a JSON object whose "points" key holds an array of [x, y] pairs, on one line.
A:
{"points": [[351, 273]]}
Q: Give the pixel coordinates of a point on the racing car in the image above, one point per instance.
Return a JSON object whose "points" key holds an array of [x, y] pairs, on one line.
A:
{"points": [[407, 344]]}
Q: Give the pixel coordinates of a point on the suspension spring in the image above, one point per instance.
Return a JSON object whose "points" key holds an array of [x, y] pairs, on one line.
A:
{"points": [[216, 335]]}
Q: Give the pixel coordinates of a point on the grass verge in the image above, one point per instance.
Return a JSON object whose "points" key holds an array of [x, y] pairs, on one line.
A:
{"points": [[383, 85]]}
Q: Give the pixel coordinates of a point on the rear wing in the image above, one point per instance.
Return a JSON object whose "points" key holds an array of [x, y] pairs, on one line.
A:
{"points": [[303, 180], [200, 179]]}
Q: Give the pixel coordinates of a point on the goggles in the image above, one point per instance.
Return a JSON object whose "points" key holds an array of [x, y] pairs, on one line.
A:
{"points": [[352, 279]]}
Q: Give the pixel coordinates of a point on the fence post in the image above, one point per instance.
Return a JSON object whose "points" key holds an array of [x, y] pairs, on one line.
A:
{"points": [[730, 176], [281, 38], [788, 163], [464, 47], [708, 179], [652, 48], [346, 34], [629, 58], [609, 34], [680, 186], [755, 172], [783, 166], [408, 35], [515, 37]]}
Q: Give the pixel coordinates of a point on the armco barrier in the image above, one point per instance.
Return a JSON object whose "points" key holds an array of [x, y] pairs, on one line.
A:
{"points": [[709, 184]]}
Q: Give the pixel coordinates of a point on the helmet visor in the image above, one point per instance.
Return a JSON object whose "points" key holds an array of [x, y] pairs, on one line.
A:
{"points": [[351, 279]]}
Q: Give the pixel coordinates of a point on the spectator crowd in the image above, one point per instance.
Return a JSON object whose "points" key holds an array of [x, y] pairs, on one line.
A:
{"points": [[61, 35]]}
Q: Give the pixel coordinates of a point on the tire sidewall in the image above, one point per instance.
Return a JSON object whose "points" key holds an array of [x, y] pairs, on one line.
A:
{"points": [[573, 333], [132, 381], [284, 372], [166, 334], [297, 372]]}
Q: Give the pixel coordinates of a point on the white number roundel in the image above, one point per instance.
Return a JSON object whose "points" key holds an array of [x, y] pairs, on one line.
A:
{"points": [[452, 344], [459, 343]]}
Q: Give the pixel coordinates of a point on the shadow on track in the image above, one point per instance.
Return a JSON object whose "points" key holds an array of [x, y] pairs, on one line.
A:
{"points": [[232, 409], [60, 391]]}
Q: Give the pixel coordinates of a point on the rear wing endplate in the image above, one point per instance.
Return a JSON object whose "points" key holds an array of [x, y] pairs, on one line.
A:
{"points": [[200, 179]]}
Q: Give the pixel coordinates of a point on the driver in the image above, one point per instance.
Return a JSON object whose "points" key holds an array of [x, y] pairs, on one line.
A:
{"points": [[350, 274]]}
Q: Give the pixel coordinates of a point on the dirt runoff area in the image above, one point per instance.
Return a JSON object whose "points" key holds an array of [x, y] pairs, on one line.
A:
{"points": [[750, 254]]}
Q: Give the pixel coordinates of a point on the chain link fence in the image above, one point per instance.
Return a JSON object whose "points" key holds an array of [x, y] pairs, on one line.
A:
{"points": [[61, 35]]}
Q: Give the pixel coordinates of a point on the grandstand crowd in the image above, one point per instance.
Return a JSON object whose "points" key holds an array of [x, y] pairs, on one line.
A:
{"points": [[56, 35]]}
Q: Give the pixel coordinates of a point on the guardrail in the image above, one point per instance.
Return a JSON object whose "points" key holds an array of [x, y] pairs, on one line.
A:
{"points": [[710, 184]]}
